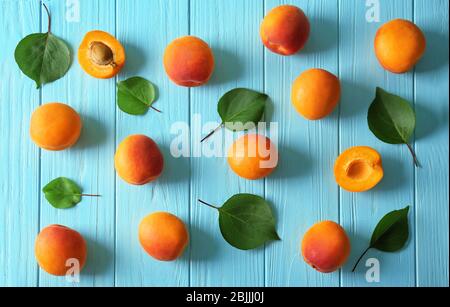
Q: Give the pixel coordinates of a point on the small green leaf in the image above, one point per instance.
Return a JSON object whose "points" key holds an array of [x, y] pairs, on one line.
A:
{"points": [[135, 95], [392, 120], [241, 106], [62, 193], [43, 57], [246, 221], [392, 232]]}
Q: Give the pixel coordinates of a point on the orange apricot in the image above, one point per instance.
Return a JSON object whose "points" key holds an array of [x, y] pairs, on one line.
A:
{"points": [[163, 236], [285, 30], [189, 61], [253, 157], [55, 126], [326, 247], [101, 55], [138, 160], [358, 169], [399, 45], [316, 93], [56, 246]]}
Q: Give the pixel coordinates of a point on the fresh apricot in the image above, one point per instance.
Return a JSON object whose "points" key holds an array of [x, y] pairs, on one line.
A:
{"points": [[138, 160], [316, 93], [163, 236], [55, 126], [326, 247], [101, 55], [358, 169], [56, 246], [253, 157], [285, 30], [189, 61], [399, 45]]}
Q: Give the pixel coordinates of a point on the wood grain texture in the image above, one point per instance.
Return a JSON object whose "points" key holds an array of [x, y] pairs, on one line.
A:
{"points": [[19, 157], [432, 184], [360, 73], [302, 191]]}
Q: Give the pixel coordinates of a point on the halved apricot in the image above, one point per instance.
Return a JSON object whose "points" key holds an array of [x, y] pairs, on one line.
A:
{"points": [[101, 55], [359, 169]]}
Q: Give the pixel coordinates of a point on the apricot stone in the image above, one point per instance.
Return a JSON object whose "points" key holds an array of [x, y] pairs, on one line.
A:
{"points": [[358, 169], [57, 244], [138, 160], [326, 247], [253, 157], [163, 236], [55, 126], [316, 93], [285, 30], [189, 61], [399, 45]]}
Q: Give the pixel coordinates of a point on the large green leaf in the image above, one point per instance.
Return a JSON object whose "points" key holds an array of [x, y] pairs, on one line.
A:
{"points": [[62, 193], [241, 106], [43, 57], [391, 118], [392, 232], [135, 95]]}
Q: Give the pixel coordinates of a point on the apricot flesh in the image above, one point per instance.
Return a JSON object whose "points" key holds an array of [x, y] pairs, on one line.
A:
{"points": [[55, 126], [326, 247], [316, 93], [253, 157], [163, 236], [57, 244], [101, 55], [359, 169], [138, 160], [399, 45], [189, 61], [285, 30]]}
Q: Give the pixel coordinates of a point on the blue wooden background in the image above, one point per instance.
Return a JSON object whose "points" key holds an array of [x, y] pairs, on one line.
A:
{"points": [[302, 189]]}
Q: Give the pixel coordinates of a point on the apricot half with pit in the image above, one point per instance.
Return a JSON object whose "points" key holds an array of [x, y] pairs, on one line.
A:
{"points": [[358, 169], [101, 55]]}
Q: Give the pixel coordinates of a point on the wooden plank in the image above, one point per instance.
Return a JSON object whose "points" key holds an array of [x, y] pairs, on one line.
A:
{"points": [[145, 28], [90, 161], [230, 28], [302, 189], [432, 184], [19, 166], [360, 73]]}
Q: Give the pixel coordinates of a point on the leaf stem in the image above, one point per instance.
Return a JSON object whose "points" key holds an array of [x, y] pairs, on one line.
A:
{"points": [[211, 133], [416, 160], [209, 205], [360, 258], [155, 109], [49, 18], [90, 195]]}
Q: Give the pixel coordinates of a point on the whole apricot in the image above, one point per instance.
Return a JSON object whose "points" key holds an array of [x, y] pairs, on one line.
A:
{"points": [[55, 126], [189, 61], [138, 160], [56, 246], [316, 93], [358, 169], [399, 45], [326, 247], [163, 236], [285, 30], [101, 55], [253, 157]]}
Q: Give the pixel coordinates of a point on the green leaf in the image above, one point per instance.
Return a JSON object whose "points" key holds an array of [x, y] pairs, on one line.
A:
{"points": [[391, 118], [62, 193], [43, 57], [392, 232], [135, 95], [241, 106], [246, 221]]}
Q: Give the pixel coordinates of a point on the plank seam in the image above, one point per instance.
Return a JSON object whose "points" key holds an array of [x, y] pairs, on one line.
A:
{"points": [[40, 158], [115, 174], [414, 168]]}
